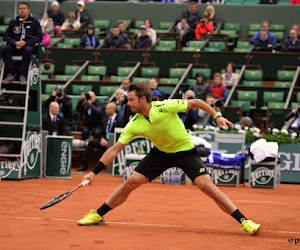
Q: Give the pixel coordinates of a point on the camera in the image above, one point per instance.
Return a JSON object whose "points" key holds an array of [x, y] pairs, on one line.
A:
{"points": [[190, 97], [217, 103], [202, 21], [87, 96], [58, 93], [79, 143]]}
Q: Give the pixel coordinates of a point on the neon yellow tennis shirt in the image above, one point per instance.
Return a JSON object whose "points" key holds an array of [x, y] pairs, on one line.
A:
{"points": [[164, 128]]}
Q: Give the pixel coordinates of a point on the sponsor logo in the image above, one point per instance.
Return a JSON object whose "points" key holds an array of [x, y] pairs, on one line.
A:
{"points": [[201, 170], [129, 170], [7, 166], [66, 155], [222, 175], [262, 176], [33, 75], [17, 29]]}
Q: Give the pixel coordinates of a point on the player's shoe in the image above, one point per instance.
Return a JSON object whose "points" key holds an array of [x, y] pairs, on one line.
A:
{"points": [[92, 218], [249, 226]]}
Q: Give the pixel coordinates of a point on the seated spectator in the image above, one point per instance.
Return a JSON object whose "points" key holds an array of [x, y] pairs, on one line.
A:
{"points": [[263, 43], [210, 12], [200, 87], [150, 31], [245, 122], [89, 40], [122, 34], [296, 27], [91, 109], [268, 1], [218, 89], [65, 105], [230, 77], [206, 119], [20, 43], [213, 1], [53, 122], [115, 41], [191, 15], [109, 124], [70, 24], [294, 2], [264, 26], [46, 37], [153, 85], [190, 117], [292, 43], [292, 120], [121, 102], [125, 85], [48, 23], [204, 27], [81, 14], [156, 96], [143, 41], [185, 32], [57, 16]]}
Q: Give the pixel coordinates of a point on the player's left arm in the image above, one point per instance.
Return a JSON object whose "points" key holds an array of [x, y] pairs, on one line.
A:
{"points": [[197, 103]]}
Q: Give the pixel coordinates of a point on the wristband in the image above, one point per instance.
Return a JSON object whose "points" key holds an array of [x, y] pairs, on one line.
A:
{"points": [[99, 166], [216, 115]]}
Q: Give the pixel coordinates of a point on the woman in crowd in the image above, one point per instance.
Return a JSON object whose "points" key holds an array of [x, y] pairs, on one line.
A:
{"points": [[48, 23], [210, 12], [70, 23], [230, 77], [150, 31]]}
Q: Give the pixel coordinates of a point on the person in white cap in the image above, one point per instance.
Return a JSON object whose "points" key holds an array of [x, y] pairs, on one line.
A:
{"points": [[81, 14], [57, 16]]}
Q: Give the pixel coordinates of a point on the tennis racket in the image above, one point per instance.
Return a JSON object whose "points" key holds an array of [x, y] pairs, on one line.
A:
{"points": [[63, 196]]}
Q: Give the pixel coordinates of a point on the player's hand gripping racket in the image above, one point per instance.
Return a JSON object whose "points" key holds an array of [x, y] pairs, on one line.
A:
{"points": [[63, 196]]}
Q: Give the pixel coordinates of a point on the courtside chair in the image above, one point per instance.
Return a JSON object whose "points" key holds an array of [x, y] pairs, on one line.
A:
{"points": [[97, 70], [117, 78], [176, 72], [48, 90], [253, 75], [285, 75], [63, 77], [140, 79], [124, 71], [78, 89], [283, 84], [248, 96], [169, 80], [90, 78], [108, 90], [165, 25], [167, 44], [271, 96], [73, 41], [206, 72], [149, 72]]}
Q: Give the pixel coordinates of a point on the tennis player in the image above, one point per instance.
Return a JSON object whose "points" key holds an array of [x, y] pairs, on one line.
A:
{"points": [[159, 122]]}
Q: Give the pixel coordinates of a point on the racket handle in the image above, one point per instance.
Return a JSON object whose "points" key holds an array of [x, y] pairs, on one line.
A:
{"points": [[84, 183]]}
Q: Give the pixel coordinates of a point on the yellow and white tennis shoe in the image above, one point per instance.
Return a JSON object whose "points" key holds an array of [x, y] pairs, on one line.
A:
{"points": [[92, 219], [249, 226]]}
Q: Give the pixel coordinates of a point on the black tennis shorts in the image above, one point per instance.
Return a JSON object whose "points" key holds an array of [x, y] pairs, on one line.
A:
{"points": [[156, 162]]}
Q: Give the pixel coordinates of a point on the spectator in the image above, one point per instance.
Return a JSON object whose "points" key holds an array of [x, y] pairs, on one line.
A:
{"points": [[206, 119], [89, 40], [210, 12], [115, 41], [292, 43], [200, 87], [192, 16], [230, 77], [245, 122], [263, 43], [268, 1], [156, 96], [53, 122], [92, 115], [20, 43], [185, 32], [65, 105], [122, 34], [125, 84], [121, 102], [190, 117], [143, 41], [292, 120], [81, 14], [153, 85], [109, 125], [57, 16], [264, 26], [204, 27], [48, 24], [150, 31], [218, 88], [294, 1], [296, 27], [70, 23], [46, 37]]}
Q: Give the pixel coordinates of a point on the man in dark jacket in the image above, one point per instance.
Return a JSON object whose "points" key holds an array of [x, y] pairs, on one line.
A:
{"points": [[200, 88], [53, 122], [122, 34], [291, 44], [292, 120], [263, 43], [192, 16], [19, 37], [91, 109], [65, 105], [89, 40], [81, 14], [143, 41], [57, 16], [115, 41], [109, 124]]}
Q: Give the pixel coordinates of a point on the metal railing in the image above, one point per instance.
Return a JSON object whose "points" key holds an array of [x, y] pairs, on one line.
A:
{"points": [[76, 74], [292, 88]]}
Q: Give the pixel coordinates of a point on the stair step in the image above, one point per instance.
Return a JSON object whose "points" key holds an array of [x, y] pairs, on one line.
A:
{"points": [[10, 139], [10, 155], [12, 123], [12, 107], [12, 92]]}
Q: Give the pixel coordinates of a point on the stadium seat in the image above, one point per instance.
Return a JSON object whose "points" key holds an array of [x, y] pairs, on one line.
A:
{"points": [[140, 79], [44, 77], [167, 89], [123, 21], [244, 104], [49, 71], [232, 26], [271, 96], [196, 44], [138, 24], [165, 25], [279, 37], [161, 48], [124, 71], [252, 83], [253, 75], [217, 45], [71, 70], [97, 70], [2, 29], [167, 44], [254, 26], [282, 84], [102, 98], [75, 115], [48, 90], [241, 50], [232, 36], [7, 20], [1, 39], [108, 90], [236, 71], [189, 49], [117, 78], [136, 31], [248, 96], [298, 97], [276, 105], [149, 72], [207, 72], [283, 2], [102, 24], [54, 39], [169, 80], [243, 45], [78, 89], [285, 75], [190, 81], [64, 45], [63, 77], [294, 105], [277, 27], [176, 72], [73, 41], [252, 2], [90, 78]]}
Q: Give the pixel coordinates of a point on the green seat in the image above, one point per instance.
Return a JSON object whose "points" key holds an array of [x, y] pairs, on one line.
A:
{"points": [[102, 24], [231, 33], [241, 50], [49, 71], [167, 89], [98, 32], [54, 39], [165, 25], [252, 2], [271, 96], [140, 79], [49, 88], [75, 99], [207, 72], [73, 41], [167, 44], [123, 21], [102, 98], [298, 97], [90, 78], [71, 70], [3, 28], [253, 75], [161, 48], [277, 27], [189, 49], [108, 90], [246, 105], [196, 44], [138, 24], [7, 20], [149, 72], [283, 2], [294, 105], [243, 45], [44, 97], [1, 39], [232, 26], [217, 45], [282, 84], [136, 31], [117, 78], [44, 77], [279, 36], [78, 89], [64, 45], [247, 96], [252, 83], [124, 71], [176, 72], [169, 80], [254, 26], [276, 105], [97, 70], [63, 77], [285, 75], [190, 81], [212, 49], [236, 1]]}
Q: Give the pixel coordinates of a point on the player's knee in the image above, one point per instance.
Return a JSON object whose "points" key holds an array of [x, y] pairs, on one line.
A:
{"points": [[211, 191], [130, 184]]}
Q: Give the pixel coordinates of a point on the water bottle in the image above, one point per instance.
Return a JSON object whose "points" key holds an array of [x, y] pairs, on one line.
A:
{"points": [[178, 181], [167, 177], [173, 176], [139, 151]]}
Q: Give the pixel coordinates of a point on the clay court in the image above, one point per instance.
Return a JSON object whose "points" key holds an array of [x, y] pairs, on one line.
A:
{"points": [[155, 216]]}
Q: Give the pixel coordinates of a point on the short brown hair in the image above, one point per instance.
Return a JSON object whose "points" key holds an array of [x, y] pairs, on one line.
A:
{"points": [[218, 75], [141, 89]]}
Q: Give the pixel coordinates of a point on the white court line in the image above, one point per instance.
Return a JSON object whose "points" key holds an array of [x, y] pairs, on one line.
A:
{"points": [[145, 224]]}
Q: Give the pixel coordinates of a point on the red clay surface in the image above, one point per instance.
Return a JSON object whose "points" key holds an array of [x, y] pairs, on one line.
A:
{"points": [[155, 216]]}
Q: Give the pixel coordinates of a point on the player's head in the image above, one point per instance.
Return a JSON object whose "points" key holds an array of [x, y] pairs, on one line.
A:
{"points": [[139, 95]]}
